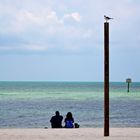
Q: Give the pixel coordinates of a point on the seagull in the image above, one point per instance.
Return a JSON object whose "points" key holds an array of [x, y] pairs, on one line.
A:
{"points": [[107, 18]]}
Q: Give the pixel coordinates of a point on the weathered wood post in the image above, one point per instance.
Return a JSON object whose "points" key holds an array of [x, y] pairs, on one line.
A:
{"points": [[106, 79], [128, 81]]}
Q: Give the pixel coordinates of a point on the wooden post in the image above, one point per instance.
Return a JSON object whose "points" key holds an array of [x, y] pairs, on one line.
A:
{"points": [[128, 81], [106, 79], [128, 87]]}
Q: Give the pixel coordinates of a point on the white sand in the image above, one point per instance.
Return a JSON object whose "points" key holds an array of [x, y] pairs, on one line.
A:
{"points": [[70, 134]]}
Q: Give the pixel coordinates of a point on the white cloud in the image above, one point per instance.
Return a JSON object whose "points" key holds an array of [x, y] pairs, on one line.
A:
{"points": [[27, 16], [34, 47], [52, 15], [44, 22], [24, 20], [75, 16]]}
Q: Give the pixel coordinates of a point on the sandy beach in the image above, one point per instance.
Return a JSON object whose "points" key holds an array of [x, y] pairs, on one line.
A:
{"points": [[69, 134]]}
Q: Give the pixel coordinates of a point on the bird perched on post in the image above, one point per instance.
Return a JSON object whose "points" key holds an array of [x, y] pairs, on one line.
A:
{"points": [[107, 18]]}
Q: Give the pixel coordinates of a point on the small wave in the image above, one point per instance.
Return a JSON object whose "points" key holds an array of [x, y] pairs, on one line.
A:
{"points": [[21, 116]]}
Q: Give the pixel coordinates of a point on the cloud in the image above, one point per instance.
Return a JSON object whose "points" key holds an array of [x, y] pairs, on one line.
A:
{"points": [[43, 25], [73, 16], [39, 31], [35, 47]]}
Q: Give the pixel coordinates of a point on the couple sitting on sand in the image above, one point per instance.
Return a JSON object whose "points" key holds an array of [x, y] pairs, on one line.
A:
{"points": [[56, 121]]}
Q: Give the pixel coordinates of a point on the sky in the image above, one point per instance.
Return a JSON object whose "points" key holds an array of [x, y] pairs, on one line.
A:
{"points": [[51, 40]]}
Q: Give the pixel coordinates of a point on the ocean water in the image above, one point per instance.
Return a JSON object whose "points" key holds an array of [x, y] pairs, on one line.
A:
{"points": [[31, 104]]}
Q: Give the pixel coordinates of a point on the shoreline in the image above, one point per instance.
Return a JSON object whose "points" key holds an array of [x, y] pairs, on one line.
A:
{"points": [[69, 134]]}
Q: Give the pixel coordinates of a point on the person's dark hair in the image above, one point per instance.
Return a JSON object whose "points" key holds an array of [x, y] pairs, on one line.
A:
{"points": [[57, 113], [69, 115]]}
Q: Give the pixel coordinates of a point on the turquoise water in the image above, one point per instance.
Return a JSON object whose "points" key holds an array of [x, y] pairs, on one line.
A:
{"points": [[31, 104]]}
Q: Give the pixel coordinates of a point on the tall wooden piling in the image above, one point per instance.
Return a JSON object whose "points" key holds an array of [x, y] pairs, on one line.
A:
{"points": [[106, 79]]}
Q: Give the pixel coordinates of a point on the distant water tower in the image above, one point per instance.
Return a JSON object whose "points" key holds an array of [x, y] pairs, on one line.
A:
{"points": [[128, 81]]}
